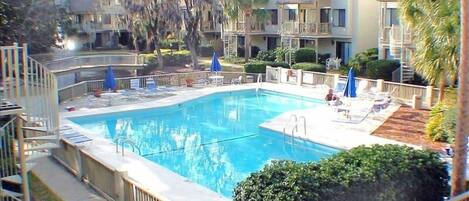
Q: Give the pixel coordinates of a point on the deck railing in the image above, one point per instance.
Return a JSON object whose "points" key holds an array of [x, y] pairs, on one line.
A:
{"points": [[171, 79], [399, 91], [78, 62]]}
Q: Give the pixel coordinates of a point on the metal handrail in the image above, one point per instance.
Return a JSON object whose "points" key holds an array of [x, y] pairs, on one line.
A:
{"points": [[129, 141]]}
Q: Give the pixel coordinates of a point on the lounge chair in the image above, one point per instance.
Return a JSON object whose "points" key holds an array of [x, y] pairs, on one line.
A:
{"points": [[237, 80], [153, 86]]}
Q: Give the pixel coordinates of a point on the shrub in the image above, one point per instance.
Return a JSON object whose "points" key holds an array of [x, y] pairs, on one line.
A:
{"points": [[380, 172], [441, 125], [310, 67], [206, 51], [171, 44], [254, 51], [323, 57], [280, 54], [266, 55], [169, 58], [360, 60], [305, 55], [381, 69], [260, 66]]}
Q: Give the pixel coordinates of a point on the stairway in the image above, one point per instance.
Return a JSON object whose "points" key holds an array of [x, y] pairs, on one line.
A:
{"points": [[408, 72], [230, 45], [33, 130]]}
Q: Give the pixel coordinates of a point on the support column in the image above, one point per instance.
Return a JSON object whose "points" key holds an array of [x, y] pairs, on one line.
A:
{"points": [[299, 77], [119, 185], [316, 43], [279, 75], [318, 17], [336, 79], [380, 85]]}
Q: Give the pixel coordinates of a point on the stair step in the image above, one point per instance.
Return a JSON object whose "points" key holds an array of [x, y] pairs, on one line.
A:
{"points": [[36, 156], [43, 146], [36, 129], [4, 192], [14, 179], [29, 166], [46, 137]]}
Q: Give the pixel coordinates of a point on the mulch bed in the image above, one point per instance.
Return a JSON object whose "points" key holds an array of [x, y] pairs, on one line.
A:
{"points": [[408, 125]]}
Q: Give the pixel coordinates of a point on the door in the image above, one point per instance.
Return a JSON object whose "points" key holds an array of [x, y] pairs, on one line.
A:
{"points": [[343, 51], [271, 43], [98, 42]]}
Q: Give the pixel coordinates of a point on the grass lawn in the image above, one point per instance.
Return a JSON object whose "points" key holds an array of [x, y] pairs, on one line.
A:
{"points": [[39, 191]]}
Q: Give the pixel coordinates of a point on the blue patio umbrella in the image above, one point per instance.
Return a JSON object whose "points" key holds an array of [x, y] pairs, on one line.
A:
{"points": [[350, 88], [110, 81], [215, 67]]}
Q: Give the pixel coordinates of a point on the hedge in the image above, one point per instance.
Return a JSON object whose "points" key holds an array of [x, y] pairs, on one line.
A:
{"points": [[380, 172], [174, 58], [260, 66], [381, 69], [206, 51], [310, 67], [305, 55]]}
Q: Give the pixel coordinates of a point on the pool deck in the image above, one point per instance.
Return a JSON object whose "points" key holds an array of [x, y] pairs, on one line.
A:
{"points": [[321, 128]]}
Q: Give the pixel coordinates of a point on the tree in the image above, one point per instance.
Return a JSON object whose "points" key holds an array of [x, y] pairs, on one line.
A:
{"points": [[28, 21], [436, 26], [458, 180], [152, 19], [247, 7], [192, 16]]}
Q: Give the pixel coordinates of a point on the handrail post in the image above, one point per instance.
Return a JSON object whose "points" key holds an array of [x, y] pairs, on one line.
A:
{"points": [[429, 96], [380, 85], [24, 174], [119, 187], [299, 77]]}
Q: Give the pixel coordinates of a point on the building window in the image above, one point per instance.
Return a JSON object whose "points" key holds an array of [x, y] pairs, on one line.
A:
{"points": [[107, 19], [387, 54], [339, 18], [241, 41], [273, 16], [78, 19], [392, 17], [292, 14], [325, 15]]}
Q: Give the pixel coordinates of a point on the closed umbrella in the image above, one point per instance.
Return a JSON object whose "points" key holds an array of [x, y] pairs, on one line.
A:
{"points": [[110, 81], [350, 88], [215, 66]]}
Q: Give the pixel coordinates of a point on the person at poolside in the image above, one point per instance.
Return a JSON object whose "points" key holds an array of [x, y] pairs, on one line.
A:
{"points": [[332, 99]]}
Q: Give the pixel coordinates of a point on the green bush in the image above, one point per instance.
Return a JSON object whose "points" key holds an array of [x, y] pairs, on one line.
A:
{"points": [[173, 58], [441, 125], [260, 66], [380, 172], [171, 44], [381, 69], [360, 60], [280, 54], [305, 55], [310, 67], [266, 55], [206, 51]]}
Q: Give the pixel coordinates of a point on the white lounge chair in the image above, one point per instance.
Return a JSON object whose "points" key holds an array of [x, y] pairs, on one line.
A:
{"points": [[237, 80]]}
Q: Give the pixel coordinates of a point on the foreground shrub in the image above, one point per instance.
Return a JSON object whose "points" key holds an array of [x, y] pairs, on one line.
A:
{"points": [[170, 58], [305, 55], [441, 125], [310, 67], [359, 61], [280, 54], [206, 51], [260, 66], [387, 173], [381, 69], [266, 55]]}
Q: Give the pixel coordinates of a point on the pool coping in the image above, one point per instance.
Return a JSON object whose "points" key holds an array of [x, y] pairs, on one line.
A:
{"points": [[164, 182]]}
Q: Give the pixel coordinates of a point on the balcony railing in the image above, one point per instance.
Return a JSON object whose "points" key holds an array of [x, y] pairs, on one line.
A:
{"points": [[296, 28], [393, 35], [255, 27]]}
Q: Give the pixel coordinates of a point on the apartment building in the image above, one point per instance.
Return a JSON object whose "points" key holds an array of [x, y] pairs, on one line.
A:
{"points": [[338, 28], [395, 40], [97, 23]]}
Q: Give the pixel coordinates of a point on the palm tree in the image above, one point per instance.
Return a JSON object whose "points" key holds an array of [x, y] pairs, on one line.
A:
{"points": [[436, 27], [247, 7], [458, 182]]}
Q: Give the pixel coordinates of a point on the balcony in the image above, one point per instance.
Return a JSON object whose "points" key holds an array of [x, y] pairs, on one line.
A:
{"points": [[239, 27], [393, 35], [209, 27], [305, 29], [295, 1]]}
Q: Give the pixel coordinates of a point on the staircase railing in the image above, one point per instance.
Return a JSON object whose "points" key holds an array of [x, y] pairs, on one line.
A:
{"points": [[27, 83]]}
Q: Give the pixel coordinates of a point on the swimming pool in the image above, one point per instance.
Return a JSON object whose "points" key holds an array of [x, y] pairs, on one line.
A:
{"points": [[215, 140]]}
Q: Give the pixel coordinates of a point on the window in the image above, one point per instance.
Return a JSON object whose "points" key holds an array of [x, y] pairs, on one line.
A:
{"points": [[241, 41], [392, 17], [325, 15], [107, 19], [209, 16], [387, 54], [338, 18], [79, 19], [292, 14], [273, 17]]}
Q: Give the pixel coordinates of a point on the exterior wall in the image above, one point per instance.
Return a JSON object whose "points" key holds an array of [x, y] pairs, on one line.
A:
{"points": [[364, 32], [259, 42], [350, 15]]}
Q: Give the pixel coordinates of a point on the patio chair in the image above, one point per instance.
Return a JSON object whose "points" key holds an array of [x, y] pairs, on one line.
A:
{"points": [[237, 80], [340, 87], [135, 84]]}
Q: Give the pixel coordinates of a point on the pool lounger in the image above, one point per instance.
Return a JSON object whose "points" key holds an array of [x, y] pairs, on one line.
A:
{"points": [[75, 137]]}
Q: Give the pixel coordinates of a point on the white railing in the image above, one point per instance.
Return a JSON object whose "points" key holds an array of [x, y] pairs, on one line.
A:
{"points": [[294, 27], [79, 62], [399, 91]]}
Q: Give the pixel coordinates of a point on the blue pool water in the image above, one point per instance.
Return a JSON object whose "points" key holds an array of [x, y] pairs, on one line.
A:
{"points": [[216, 140]]}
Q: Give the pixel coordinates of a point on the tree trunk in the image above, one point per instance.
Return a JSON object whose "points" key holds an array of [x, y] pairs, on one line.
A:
{"points": [[442, 86], [159, 55], [458, 180], [247, 34], [194, 57]]}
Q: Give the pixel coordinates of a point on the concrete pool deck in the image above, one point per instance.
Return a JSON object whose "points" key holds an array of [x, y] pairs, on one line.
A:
{"points": [[320, 128]]}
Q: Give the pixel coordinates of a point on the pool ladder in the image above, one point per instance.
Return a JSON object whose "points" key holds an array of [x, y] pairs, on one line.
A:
{"points": [[259, 81], [294, 122], [126, 140]]}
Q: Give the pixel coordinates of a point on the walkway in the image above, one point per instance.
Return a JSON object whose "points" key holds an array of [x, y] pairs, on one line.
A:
{"points": [[408, 125], [62, 182]]}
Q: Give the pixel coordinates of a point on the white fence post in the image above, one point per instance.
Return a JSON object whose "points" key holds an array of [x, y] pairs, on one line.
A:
{"points": [[336, 80], [299, 77], [279, 75], [429, 96], [380, 85], [119, 185]]}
